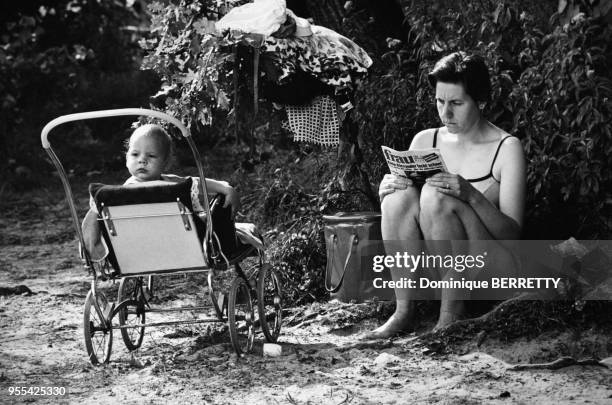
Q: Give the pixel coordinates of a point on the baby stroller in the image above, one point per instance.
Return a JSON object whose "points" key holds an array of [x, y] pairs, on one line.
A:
{"points": [[152, 231]]}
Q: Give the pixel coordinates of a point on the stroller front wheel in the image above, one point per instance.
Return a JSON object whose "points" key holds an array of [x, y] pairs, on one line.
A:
{"points": [[241, 316], [269, 302], [98, 334]]}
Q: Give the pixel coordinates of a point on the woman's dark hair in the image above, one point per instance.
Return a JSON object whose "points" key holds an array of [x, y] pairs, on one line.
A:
{"points": [[469, 70]]}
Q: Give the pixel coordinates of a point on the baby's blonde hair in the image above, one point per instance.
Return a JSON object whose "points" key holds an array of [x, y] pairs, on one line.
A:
{"points": [[160, 134]]}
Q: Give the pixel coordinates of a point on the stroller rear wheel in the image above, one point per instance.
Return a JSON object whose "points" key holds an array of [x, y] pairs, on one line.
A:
{"points": [[269, 302], [98, 335], [241, 316], [134, 288], [131, 313]]}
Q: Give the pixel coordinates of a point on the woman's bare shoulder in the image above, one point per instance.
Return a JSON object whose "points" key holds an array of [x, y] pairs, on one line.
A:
{"points": [[512, 148], [496, 133], [423, 139], [511, 153], [508, 142]]}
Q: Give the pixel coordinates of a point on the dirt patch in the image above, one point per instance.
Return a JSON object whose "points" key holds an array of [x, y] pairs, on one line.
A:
{"points": [[322, 359]]}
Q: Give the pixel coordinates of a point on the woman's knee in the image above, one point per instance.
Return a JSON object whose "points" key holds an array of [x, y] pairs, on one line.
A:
{"points": [[400, 203], [400, 214], [436, 204]]}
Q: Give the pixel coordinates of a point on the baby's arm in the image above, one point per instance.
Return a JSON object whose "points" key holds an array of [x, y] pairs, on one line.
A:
{"points": [[232, 198]]}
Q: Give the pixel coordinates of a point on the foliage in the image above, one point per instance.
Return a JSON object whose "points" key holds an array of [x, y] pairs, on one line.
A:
{"points": [[61, 57], [299, 257], [196, 67], [563, 101]]}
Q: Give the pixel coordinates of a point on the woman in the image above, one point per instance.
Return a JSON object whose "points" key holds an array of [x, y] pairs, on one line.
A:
{"points": [[480, 198]]}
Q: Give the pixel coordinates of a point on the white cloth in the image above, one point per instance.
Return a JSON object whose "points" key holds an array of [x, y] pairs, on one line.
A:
{"points": [[302, 26], [249, 235], [260, 17]]}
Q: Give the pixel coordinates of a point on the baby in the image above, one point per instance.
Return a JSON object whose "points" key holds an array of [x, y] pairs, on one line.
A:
{"points": [[149, 154]]}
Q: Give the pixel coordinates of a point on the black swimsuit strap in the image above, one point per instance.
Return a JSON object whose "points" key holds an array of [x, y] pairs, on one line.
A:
{"points": [[435, 141], [435, 138], [483, 178], [492, 164], [497, 152]]}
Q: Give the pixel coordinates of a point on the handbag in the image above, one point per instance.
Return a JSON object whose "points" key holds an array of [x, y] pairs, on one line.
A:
{"points": [[352, 239]]}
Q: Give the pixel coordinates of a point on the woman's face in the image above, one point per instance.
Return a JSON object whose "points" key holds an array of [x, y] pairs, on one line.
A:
{"points": [[457, 110]]}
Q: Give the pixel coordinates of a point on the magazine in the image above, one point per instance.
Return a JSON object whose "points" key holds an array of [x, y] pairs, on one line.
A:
{"points": [[416, 165]]}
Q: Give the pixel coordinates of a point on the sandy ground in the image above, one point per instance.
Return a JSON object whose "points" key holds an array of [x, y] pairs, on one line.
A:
{"points": [[322, 361]]}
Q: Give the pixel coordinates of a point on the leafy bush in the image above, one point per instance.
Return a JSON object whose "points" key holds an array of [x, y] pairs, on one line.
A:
{"points": [[299, 257], [195, 67], [563, 104], [63, 57]]}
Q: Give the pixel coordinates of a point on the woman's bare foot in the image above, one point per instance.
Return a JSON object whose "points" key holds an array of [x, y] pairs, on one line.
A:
{"points": [[402, 320], [450, 312]]}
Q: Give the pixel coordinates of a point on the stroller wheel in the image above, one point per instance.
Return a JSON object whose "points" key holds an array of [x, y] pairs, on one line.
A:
{"points": [[217, 297], [98, 337], [129, 288], [241, 316], [269, 302], [131, 313]]}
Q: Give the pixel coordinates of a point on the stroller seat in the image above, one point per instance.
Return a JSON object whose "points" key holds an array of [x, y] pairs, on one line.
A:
{"points": [[151, 228]]}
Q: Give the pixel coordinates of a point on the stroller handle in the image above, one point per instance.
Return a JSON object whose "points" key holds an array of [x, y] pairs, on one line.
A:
{"points": [[108, 113]]}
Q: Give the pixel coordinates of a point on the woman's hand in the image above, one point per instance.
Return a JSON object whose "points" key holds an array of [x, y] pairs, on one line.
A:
{"points": [[453, 185], [390, 183]]}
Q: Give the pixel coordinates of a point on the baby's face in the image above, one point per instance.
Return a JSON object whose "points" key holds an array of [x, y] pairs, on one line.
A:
{"points": [[145, 158]]}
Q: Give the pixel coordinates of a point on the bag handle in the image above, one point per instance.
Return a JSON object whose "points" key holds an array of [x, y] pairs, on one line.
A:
{"points": [[354, 240]]}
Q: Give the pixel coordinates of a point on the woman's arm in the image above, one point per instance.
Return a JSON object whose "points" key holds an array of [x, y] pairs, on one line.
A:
{"points": [[391, 182], [505, 222]]}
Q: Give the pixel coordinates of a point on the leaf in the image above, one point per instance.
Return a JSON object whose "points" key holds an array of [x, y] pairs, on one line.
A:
{"points": [[205, 26], [497, 12], [222, 100], [156, 7]]}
